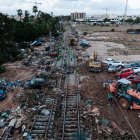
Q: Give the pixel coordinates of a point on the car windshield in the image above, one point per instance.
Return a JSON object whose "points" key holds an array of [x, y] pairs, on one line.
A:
{"points": [[113, 67]]}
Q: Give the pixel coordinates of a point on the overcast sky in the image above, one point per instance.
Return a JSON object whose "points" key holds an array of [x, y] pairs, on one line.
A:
{"points": [[65, 7]]}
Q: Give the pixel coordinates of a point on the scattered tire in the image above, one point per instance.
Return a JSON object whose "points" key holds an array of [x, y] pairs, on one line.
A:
{"points": [[124, 103]]}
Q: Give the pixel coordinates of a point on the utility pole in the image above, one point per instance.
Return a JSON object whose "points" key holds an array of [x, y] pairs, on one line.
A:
{"points": [[125, 13], [106, 10]]}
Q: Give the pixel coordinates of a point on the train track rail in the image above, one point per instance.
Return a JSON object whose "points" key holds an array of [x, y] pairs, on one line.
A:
{"points": [[43, 125], [70, 118], [70, 128]]}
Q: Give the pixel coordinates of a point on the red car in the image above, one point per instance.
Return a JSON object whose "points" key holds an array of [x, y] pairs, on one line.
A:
{"points": [[135, 79], [125, 73]]}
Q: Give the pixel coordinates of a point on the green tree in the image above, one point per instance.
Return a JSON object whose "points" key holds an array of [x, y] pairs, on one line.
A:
{"points": [[137, 20], [106, 20], [20, 13], [35, 10], [26, 18], [8, 49], [130, 20]]}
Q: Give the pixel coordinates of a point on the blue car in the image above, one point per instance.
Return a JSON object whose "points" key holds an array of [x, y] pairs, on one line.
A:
{"points": [[2, 94]]}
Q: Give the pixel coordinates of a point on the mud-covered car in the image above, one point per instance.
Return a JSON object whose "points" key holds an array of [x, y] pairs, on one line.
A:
{"points": [[36, 83], [112, 68]]}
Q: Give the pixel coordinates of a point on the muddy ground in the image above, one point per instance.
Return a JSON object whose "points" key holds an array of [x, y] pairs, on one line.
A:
{"points": [[92, 88], [92, 85]]}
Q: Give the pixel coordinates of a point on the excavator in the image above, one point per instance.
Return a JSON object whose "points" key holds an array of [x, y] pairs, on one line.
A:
{"points": [[127, 97], [94, 65]]}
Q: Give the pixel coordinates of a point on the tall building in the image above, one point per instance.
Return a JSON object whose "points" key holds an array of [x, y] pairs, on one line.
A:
{"points": [[78, 16]]}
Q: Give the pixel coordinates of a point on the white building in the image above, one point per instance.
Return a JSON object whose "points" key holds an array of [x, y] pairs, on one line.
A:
{"points": [[78, 16]]}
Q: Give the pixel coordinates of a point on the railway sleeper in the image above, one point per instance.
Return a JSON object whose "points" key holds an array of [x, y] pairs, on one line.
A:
{"points": [[70, 122], [37, 135], [71, 119], [39, 124], [70, 130], [39, 127], [42, 120], [70, 135], [38, 131], [71, 138], [71, 105], [71, 126]]}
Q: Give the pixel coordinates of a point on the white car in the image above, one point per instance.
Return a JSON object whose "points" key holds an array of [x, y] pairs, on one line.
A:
{"points": [[108, 61], [136, 69], [118, 63]]}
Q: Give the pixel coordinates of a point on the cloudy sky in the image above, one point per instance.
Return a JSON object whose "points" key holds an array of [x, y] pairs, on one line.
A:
{"points": [[65, 7]]}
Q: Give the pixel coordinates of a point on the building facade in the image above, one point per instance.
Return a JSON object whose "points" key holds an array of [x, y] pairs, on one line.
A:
{"points": [[78, 16]]}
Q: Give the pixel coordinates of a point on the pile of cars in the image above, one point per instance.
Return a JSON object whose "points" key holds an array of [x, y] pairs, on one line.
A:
{"points": [[122, 70], [126, 92]]}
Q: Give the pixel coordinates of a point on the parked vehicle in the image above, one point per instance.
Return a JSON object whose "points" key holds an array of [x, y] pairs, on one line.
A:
{"points": [[131, 65], [135, 79], [94, 64], [126, 96], [125, 73], [36, 83], [113, 68], [136, 69], [84, 43], [108, 61], [41, 39], [2, 94], [36, 43], [118, 63]]}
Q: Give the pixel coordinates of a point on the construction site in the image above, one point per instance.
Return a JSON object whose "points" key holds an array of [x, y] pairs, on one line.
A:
{"points": [[59, 91]]}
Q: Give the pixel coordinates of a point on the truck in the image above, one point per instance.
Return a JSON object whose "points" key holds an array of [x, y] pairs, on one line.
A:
{"points": [[127, 97], [94, 65]]}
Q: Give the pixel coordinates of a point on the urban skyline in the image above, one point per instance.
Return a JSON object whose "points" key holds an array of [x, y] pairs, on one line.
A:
{"points": [[65, 7]]}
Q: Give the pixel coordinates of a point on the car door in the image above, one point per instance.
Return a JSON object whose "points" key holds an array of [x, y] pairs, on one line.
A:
{"points": [[123, 74], [127, 73]]}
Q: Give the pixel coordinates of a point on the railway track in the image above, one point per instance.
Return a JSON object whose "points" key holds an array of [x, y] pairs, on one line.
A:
{"points": [[43, 125], [70, 117], [70, 128]]}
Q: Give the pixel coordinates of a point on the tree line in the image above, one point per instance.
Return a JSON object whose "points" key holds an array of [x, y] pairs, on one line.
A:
{"points": [[13, 33]]}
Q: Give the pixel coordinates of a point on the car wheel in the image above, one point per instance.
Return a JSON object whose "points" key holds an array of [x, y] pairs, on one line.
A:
{"points": [[124, 103]]}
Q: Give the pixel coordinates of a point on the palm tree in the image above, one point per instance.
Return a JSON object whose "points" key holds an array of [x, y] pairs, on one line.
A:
{"points": [[26, 18], [19, 12], [27, 13], [35, 10], [39, 13]]}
